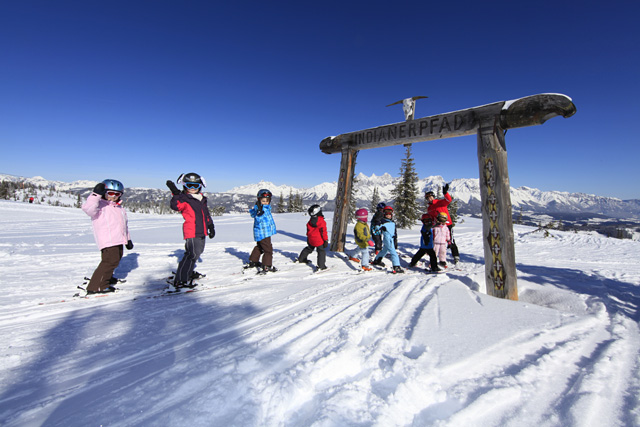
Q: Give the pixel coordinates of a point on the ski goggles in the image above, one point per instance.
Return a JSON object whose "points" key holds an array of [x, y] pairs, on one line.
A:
{"points": [[193, 185], [114, 193]]}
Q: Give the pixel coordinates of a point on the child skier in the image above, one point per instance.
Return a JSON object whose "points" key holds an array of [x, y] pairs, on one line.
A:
{"points": [[426, 245], [388, 229], [192, 204], [441, 238], [263, 228], [435, 206], [317, 237], [363, 239], [111, 231], [376, 220]]}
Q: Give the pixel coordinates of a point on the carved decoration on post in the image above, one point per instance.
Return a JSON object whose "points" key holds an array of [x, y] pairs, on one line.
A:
{"points": [[488, 122], [499, 255]]}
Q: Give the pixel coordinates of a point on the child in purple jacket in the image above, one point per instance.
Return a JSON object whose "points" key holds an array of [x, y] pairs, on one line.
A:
{"points": [[111, 231]]}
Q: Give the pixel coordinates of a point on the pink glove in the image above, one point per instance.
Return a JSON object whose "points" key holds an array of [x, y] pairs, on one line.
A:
{"points": [[371, 243]]}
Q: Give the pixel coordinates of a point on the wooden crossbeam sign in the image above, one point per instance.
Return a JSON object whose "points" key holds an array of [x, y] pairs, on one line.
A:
{"points": [[489, 123]]}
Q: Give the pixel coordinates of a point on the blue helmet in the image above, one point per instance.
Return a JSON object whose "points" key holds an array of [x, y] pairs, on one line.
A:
{"points": [[381, 205], [113, 185]]}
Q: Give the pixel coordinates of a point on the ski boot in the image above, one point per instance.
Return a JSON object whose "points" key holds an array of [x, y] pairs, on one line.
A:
{"points": [[378, 262], [106, 290], [267, 269]]}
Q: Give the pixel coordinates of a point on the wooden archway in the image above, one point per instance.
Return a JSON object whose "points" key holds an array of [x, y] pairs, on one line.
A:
{"points": [[489, 123]]}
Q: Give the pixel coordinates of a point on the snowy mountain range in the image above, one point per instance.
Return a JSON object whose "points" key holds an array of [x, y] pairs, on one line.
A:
{"points": [[555, 204]]}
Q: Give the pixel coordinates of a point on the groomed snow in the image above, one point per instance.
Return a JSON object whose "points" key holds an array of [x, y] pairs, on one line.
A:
{"points": [[299, 349]]}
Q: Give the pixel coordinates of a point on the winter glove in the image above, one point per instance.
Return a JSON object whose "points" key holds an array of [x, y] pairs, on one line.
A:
{"points": [[383, 228], [172, 187], [325, 244], [445, 189], [260, 210], [129, 245], [212, 231], [100, 189], [371, 243]]}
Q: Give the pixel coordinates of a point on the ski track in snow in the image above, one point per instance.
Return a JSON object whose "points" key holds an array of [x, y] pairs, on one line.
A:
{"points": [[297, 348]]}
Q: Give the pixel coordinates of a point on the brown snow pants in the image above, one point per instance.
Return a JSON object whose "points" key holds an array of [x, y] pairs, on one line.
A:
{"points": [[110, 259], [263, 247]]}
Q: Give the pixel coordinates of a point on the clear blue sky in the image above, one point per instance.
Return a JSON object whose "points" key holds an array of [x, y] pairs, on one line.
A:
{"points": [[243, 91]]}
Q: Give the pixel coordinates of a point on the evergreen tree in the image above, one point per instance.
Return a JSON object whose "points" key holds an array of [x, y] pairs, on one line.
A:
{"points": [[290, 202], [406, 209], [280, 205], [297, 203], [453, 211], [375, 199], [352, 201]]}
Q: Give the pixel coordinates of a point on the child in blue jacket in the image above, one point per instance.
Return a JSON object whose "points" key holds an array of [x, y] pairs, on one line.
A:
{"points": [[388, 229], [263, 228], [426, 245]]}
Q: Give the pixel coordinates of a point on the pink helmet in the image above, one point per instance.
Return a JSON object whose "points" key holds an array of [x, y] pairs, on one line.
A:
{"points": [[362, 214]]}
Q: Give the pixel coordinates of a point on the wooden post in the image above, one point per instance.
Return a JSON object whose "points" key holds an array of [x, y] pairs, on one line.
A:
{"points": [[497, 227], [343, 198]]}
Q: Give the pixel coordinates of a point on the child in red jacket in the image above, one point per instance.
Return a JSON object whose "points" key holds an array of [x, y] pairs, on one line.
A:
{"points": [[197, 225], [317, 237]]}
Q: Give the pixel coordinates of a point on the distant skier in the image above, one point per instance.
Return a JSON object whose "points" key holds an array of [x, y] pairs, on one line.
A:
{"points": [[111, 231], [317, 237], [263, 228], [441, 205], [192, 204], [426, 245], [388, 230]]}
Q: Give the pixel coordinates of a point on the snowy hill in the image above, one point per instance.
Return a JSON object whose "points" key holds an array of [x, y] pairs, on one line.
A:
{"points": [[466, 191], [296, 348]]}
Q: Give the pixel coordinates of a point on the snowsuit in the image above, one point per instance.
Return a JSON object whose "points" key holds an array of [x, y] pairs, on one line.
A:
{"points": [[263, 228], [317, 238], [363, 236], [388, 229], [197, 224], [441, 205], [377, 219], [111, 231], [426, 247], [441, 238]]}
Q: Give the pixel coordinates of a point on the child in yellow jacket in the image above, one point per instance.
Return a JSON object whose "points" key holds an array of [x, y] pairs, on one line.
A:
{"points": [[363, 239]]}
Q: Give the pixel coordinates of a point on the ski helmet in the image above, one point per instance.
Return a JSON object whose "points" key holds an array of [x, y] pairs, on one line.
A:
{"points": [[442, 217], [381, 205], [314, 210], [388, 209], [191, 177], [362, 214], [113, 185], [425, 217], [429, 193], [264, 193]]}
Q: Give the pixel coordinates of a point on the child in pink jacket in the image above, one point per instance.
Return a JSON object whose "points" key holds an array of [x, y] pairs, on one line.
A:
{"points": [[110, 229], [441, 238]]}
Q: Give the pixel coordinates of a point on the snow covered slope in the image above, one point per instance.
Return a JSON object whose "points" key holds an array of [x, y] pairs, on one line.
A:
{"points": [[295, 348]]}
